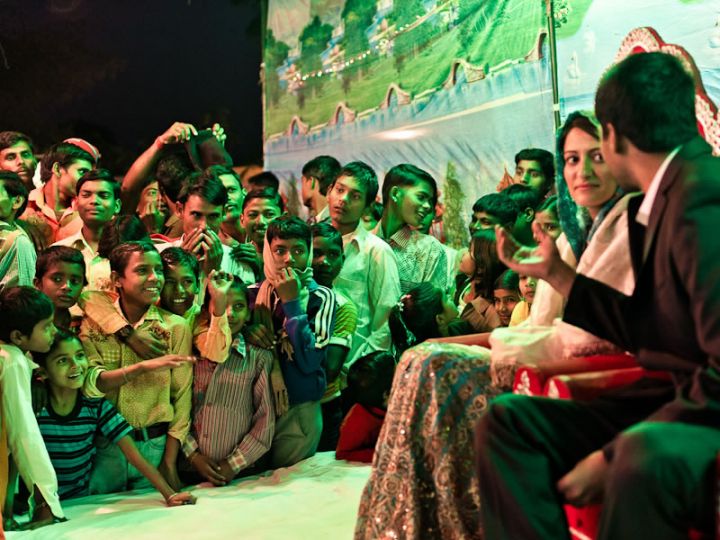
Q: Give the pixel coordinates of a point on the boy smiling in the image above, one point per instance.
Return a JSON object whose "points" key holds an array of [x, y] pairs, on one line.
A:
{"points": [[153, 395]]}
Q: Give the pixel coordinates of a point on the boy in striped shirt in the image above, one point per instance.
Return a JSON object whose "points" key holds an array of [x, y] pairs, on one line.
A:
{"points": [[70, 421], [233, 412]]}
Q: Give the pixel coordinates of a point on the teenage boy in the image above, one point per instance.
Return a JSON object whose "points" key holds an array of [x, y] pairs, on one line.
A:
{"points": [[300, 314], [50, 206], [369, 276], [318, 175], [259, 208], [201, 206], [491, 210], [155, 403], [97, 202], [17, 253], [649, 450], [535, 168], [525, 199], [16, 155], [26, 325], [409, 194], [326, 264], [70, 421], [231, 232], [233, 411], [60, 274]]}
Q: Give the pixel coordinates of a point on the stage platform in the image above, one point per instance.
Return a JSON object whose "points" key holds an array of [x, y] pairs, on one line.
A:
{"points": [[315, 499]]}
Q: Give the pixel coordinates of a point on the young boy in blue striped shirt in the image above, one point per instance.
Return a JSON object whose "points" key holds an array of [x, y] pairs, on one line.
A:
{"points": [[70, 421]]}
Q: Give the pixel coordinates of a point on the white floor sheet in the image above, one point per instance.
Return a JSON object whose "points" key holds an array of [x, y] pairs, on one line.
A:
{"points": [[316, 499]]}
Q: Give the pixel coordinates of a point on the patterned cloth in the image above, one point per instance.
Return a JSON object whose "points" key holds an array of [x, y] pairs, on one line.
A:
{"points": [[423, 483], [420, 258], [233, 413], [70, 440]]}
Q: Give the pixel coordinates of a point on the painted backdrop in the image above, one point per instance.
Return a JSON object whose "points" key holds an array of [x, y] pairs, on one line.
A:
{"points": [[454, 86]]}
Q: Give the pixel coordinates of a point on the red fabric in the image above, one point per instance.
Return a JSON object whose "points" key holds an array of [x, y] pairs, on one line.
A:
{"points": [[358, 433]]}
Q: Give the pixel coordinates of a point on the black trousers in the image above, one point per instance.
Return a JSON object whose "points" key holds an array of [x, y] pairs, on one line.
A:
{"points": [[660, 482]]}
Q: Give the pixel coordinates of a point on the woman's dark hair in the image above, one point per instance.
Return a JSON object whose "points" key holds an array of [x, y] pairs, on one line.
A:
{"points": [[370, 378], [57, 254], [488, 267], [21, 308], [60, 336], [581, 122], [289, 228], [508, 281], [412, 319], [121, 254], [124, 228], [174, 256]]}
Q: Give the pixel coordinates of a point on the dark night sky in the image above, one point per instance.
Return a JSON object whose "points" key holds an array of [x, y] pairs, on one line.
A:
{"points": [[120, 72]]}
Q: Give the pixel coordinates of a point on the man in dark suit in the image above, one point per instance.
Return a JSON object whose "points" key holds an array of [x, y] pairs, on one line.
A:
{"points": [[648, 457]]}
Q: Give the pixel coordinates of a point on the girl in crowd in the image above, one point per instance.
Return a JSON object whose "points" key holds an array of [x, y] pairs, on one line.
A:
{"points": [[423, 313], [369, 382], [483, 267], [423, 483]]}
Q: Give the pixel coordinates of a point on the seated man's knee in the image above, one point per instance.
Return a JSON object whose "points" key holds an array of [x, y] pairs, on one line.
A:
{"points": [[642, 454], [501, 413]]}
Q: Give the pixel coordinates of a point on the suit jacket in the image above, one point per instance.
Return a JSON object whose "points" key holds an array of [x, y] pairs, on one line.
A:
{"points": [[672, 320]]}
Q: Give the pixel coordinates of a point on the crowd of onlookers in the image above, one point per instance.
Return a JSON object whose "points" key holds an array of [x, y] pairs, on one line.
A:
{"points": [[178, 325], [184, 327]]}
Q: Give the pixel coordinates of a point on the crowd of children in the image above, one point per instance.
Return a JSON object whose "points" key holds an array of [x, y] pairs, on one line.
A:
{"points": [[179, 326]]}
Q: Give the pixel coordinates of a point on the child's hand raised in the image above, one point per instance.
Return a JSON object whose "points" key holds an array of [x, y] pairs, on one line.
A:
{"points": [[287, 285], [218, 287]]}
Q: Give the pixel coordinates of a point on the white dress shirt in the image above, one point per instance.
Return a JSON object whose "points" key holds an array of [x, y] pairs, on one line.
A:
{"points": [[643, 215], [23, 434], [369, 278]]}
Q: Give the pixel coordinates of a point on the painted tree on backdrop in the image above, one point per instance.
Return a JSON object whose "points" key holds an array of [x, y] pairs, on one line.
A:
{"points": [[454, 226], [313, 41], [408, 43], [276, 52], [357, 16]]}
